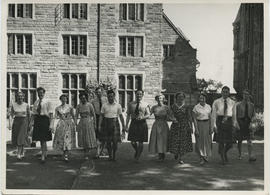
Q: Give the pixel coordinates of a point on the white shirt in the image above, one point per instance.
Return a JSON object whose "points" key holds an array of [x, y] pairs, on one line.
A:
{"points": [[111, 110], [46, 107], [202, 112]]}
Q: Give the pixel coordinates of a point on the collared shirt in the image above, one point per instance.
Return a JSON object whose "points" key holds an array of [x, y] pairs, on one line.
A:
{"points": [[96, 103], [19, 110], [46, 107], [202, 112], [143, 109], [111, 110]]}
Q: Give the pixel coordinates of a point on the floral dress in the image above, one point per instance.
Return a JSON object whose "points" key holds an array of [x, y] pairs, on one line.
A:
{"points": [[180, 141], [64, 138]]}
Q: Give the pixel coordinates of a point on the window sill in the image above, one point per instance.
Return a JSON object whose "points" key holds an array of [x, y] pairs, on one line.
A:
{"points": [[20, 55], [130, 57], [74, 56]]}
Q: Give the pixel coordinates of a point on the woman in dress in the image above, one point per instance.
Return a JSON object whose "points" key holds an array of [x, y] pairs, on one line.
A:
{"points": [[159, 134], [203, 132], [109, 128], [64, 138], [87, 124], [180, 141], [245, 111], [43, 114], [20, 112]]}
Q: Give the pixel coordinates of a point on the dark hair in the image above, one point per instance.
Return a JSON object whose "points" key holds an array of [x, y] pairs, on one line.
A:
{"points": [[179, 93], [97, 88], [41, 89], [110, 92], [63, 95], [203, 94], [83, 94], [157, 96], [140, 90], [225, 87]]}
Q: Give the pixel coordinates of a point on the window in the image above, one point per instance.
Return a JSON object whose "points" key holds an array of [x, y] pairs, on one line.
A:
{"points": [[20, 10], [168, 51], [132, 11], [19, 44], [72, 85], [24, 82], [128, 84], [74, 44], [78, 11], [169, 99], [131, 46]]}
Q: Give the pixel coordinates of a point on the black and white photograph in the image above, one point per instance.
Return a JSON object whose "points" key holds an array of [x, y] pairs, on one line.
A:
{"points": [[134, 97]]}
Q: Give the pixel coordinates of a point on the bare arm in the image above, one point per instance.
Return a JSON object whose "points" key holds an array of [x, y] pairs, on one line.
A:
{"points": [[123, 122], [100, 121]]}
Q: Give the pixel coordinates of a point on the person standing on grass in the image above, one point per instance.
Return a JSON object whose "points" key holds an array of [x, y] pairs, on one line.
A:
{"points": [[138, 111], [245, 111], [43, 114], [203, 132], [86, 126], [19, 111], [109, 128], [222, 123], [97, 103], [64, 138]]}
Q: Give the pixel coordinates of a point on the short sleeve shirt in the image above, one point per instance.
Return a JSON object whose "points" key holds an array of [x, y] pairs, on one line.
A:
{"points": [[202, 112], [46, 107], [143, 109], [111, 110]]}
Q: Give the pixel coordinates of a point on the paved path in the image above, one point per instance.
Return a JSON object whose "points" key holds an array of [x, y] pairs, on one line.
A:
{"points": [[125, 174]]}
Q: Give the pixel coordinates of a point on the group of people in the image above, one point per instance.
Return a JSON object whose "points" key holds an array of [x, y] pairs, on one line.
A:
{"points": [[99, 125]]}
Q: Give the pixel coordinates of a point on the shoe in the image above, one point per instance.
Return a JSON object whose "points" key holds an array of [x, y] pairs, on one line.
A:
{"points": [[66, 158], [181, 162], [252, 159], [19, 157], [86, 158], [176, 156], [202, 162], [42, 159], [205, 159]]}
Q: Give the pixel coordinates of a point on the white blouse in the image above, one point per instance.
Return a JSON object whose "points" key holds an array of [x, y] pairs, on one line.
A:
{"points": [[46, 107], [202, 112]]}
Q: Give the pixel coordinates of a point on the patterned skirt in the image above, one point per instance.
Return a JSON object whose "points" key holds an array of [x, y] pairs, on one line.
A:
{"points": [[86, 133], [41, 131], [110, 130], [19, 131], [224, 131], [64, 138], [138, 131]]}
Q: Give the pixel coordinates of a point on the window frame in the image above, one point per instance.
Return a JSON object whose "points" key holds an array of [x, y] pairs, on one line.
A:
{"points": [[14, 42], [124, 12], [78, 9], [24, 10], [134, 47], [170, 50], [169, 99], [69, 50]]}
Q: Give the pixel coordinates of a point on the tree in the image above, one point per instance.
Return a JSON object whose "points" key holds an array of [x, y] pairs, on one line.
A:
{"points": [[208, 86]]}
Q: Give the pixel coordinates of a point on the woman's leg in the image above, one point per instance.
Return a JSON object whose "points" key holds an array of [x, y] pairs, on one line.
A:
{"points": [[221, 152], [19, 151], [43, 150], [140, 149], [134, 145], [114, 149], [239, 146], [109, 148], [250, 147]]}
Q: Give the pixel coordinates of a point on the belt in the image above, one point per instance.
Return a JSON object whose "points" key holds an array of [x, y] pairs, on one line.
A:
{"points": [[205, 120]]}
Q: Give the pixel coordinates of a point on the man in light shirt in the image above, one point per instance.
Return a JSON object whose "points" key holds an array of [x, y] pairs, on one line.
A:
{"points": [[222, 123]]}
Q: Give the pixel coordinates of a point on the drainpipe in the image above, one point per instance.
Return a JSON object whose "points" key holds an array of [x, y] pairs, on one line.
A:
{"points": [[98, 42]]}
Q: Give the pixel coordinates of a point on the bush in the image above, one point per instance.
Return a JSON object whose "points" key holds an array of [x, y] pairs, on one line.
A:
{"points": [[257, 124]]}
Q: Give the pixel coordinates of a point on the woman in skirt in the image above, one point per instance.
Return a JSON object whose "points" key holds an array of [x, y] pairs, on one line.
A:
{"points": [[43, 114], [20, 112], [109, 128], [87, 124], [138, 111], [160, 129], [64, 138], [203, 132], [180, 141]]}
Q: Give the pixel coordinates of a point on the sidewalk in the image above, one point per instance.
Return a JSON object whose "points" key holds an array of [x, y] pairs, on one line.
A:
{"points": [[125, 174]]}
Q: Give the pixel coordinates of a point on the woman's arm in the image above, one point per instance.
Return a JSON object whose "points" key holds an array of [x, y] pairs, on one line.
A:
{"points": [[92, 110]]}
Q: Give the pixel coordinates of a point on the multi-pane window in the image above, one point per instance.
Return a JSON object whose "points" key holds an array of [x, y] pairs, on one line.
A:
{"points": [[131, 46], [75, 44], [168, 50], [132, 11], [78, 11], [72, 85], [20, 10], [24, 82], [19, 44], [169, 99], [128, 84]]}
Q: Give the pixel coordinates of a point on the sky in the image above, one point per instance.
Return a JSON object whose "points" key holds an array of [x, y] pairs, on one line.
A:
{"points": [[209, 29]]}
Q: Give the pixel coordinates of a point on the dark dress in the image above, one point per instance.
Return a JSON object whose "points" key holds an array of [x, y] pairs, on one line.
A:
{"points": [[180, 141]]}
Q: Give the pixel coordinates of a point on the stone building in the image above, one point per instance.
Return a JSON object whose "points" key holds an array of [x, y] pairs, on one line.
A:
{"points": [[248, 51], [63, 46]]}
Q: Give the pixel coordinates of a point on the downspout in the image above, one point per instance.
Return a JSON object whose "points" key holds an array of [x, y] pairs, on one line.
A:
{"points": [[98, 42]]}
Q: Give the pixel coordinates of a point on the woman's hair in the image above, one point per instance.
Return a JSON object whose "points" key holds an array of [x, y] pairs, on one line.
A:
{"points": [[63, 95], [140, 90], [83, 94], [202, 94], [157, 96], [41, 89], [110, 92], [180, 93]]}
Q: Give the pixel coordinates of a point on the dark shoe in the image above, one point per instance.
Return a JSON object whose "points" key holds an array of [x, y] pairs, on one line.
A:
{"points": [[252, 159], [205, 159], [176, 156]]}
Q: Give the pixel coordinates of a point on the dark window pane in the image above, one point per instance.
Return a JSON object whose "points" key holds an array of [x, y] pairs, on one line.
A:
{"points": [[19, 44], [171, 99], [123, 11], [171, 53], [138, 82], [13, 95], [11, 10], [19, 10], [24, 81], [166, 100], [83, 45], [75, 9], [65, 81], [129, 96], [74, 98], [33, 80], [130, 82], [11, 44], [82, 83], [8, 81], [66, 45], [121, 82], [141, 11], [165, 51], [25, 92], [122, 98], [8, 98], [131, 11], [28, 44], [15, 81], [66, 10], [28, 10], [83, 10], [33, 96], [74, 40], [131, 46], [74, 83], [122, 46]]}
